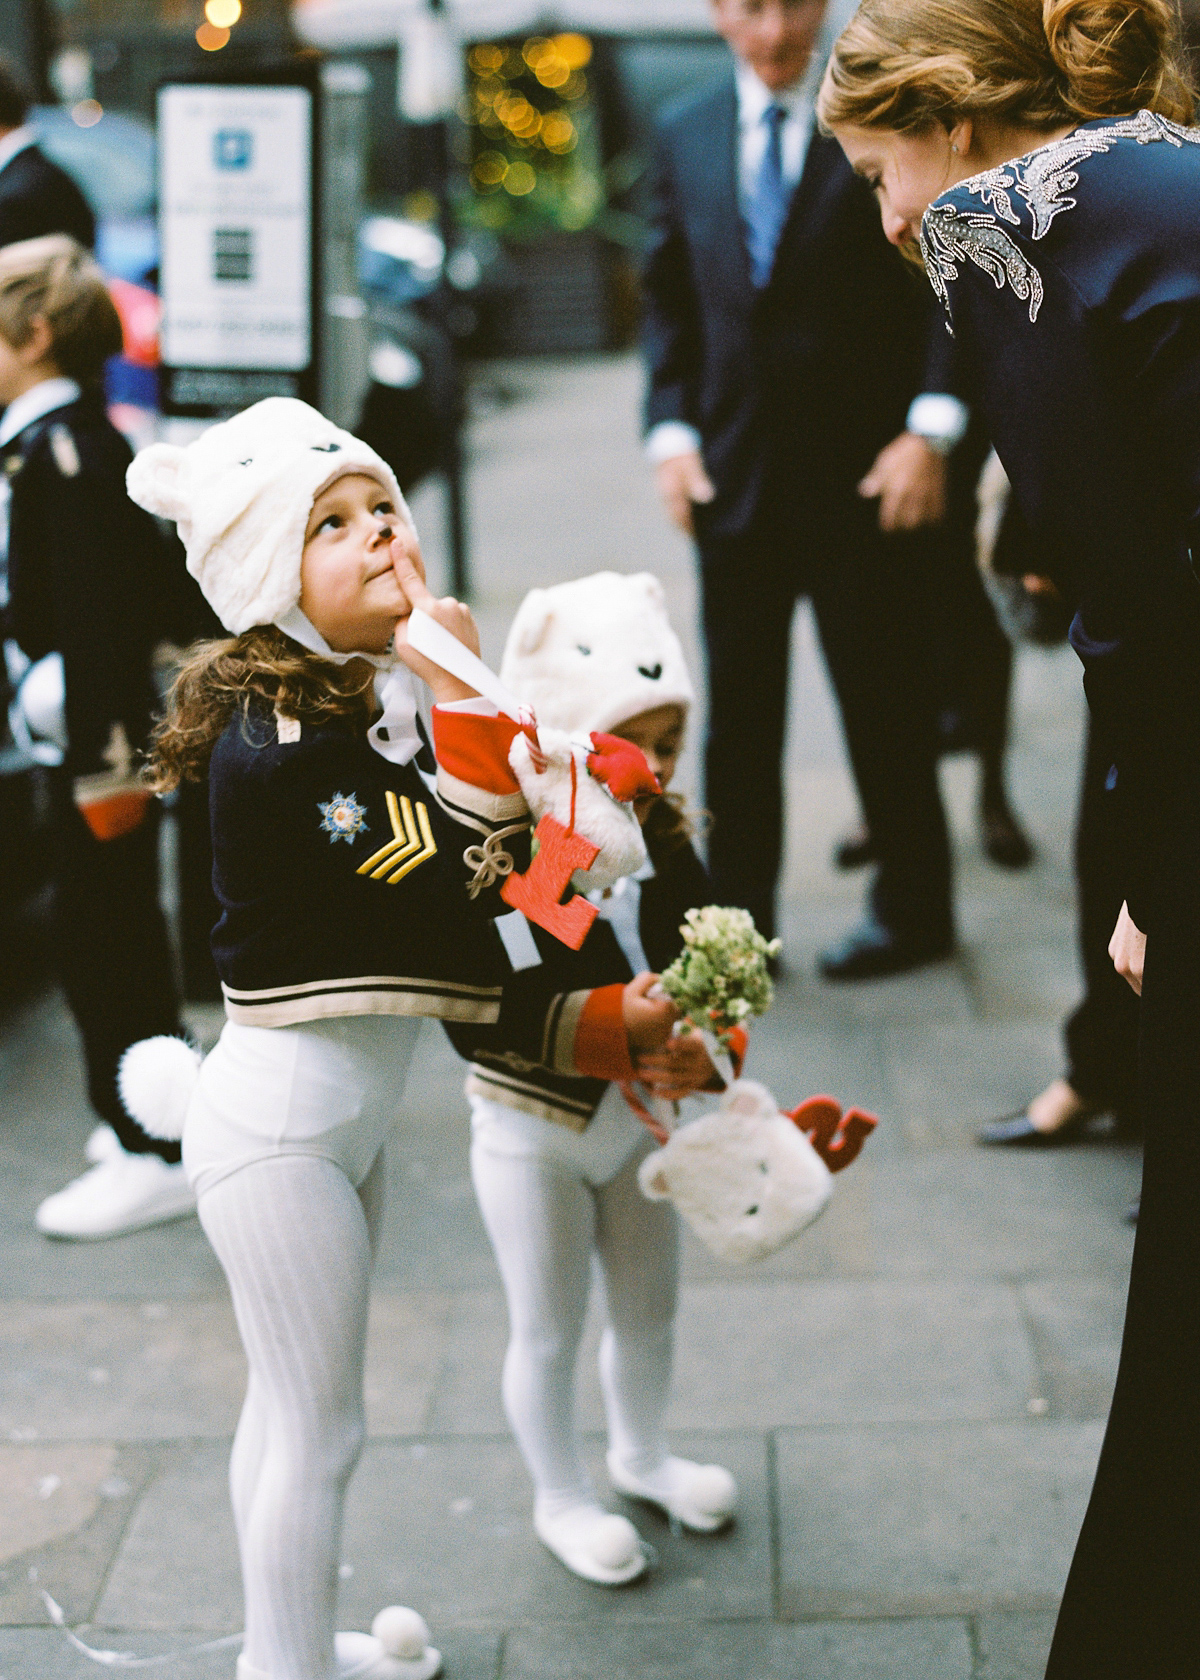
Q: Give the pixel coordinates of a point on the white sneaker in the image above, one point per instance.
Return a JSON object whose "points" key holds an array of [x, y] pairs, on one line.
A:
{"points": [[397, 1648], [102, 1144], [700, 1496], [124, 1193], [593, 1543]]}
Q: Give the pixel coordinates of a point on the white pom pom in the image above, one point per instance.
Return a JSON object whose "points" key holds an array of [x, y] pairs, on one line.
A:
{"points": [[155, 1080], [402, 1632], [614, 1543]]}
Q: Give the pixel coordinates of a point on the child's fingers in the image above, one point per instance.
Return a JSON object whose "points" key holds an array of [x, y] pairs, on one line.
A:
{"points": [[409, 578]]}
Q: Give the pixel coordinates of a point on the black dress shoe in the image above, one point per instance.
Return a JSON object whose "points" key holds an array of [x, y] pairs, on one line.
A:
{"points": [[872, 950], [855, 851], [1017, 1131], [1004, 840]]}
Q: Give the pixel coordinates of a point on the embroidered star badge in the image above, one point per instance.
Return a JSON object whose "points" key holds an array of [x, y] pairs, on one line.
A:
{"points": [[342, 817]]}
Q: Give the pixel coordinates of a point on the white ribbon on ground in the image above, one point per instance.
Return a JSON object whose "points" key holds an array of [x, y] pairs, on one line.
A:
{"points": [[127, 1659]]}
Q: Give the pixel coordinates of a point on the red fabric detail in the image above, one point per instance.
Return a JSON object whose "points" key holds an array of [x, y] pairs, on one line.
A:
{"points": [[601, 1042], [538, 893], [838, 1139], [140, 311], [110, 818], [475, 749], [622, 768]]}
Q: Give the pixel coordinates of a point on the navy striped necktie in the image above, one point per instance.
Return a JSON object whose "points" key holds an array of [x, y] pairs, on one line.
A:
{"points": [[766, 209]]}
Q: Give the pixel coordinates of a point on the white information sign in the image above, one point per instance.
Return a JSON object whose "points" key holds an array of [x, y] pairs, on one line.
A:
{"points": [[235, 189]]}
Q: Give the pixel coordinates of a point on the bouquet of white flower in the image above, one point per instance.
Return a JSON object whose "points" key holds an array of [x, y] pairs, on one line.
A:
{"points": [[720, 977]]}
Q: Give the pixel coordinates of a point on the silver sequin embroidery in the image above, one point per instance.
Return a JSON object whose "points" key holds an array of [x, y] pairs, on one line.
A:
{"points": [[1043, 179]]}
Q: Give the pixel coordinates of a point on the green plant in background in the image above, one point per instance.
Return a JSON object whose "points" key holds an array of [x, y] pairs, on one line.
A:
{"points": [[720, 979], [535, 157]]}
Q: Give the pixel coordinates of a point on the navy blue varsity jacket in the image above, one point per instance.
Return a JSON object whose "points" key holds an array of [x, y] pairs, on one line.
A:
{"points": [[344, 880], [576, 998]]}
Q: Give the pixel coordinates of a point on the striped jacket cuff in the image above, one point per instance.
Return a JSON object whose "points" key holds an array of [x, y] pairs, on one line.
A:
{"points": [[601, 1043]]}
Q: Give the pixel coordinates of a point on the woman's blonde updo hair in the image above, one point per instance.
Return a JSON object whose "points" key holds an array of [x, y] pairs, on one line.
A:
{"points": [[906, 65]]}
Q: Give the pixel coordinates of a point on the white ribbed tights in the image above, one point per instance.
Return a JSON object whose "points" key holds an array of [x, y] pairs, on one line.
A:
{"points": [[295, 1239], [549, 1225]]}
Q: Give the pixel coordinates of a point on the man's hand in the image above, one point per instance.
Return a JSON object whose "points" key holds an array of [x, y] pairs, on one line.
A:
{"points": [[679, 1070], [683, 481], [648, 1021], [1127, 948], [909, 478], [447, 612]]}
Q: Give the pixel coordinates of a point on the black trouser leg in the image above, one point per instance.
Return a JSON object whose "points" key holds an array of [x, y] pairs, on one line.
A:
{"points": [[862, 597], [1130, 1607], [113, 955], [1101, 1036], [747, 615]]}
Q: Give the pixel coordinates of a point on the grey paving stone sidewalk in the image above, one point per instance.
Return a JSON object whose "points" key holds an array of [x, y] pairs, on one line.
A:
{"points": [[912, 1396]]}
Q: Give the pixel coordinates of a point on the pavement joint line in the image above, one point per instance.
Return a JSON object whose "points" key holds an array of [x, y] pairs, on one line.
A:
{"points": [[975, 1641], [773, 1524], [136, 1495]]}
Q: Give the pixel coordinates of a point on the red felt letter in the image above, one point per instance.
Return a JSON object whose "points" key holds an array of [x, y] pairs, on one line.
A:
{"points": [[837, 1138], [538, 893]]}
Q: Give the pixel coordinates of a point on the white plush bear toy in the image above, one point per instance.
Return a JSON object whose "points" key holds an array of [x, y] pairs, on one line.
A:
{"points": [[746, 1178], [581, 801]]}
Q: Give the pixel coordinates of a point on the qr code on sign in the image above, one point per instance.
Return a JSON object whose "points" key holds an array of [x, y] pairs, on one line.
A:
{"points": [[233, 254]]}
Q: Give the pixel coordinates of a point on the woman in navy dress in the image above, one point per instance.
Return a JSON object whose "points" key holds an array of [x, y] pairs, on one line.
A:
{"points": [[1041, 150]]}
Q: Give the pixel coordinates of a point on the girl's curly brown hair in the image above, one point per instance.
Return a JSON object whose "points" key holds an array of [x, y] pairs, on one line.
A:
{"points": [[218, 678], [668, 826]]}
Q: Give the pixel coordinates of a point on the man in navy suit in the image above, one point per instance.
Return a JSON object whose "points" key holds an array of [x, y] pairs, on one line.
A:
{"points": [[36, 196], [798, 425]]}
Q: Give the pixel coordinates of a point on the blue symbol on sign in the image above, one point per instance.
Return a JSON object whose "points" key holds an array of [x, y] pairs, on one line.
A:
{"points": [[233, 148]]}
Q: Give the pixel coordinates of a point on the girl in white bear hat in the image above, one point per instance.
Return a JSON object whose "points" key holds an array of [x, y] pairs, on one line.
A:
{"points": [[341, 874], [554, 1155]]}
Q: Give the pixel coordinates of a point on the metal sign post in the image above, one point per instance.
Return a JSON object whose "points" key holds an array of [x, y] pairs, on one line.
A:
{"points": [[238, 214]]}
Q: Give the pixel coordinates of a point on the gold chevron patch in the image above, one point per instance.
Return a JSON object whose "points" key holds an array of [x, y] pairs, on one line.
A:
{"points": [[412, 845]]}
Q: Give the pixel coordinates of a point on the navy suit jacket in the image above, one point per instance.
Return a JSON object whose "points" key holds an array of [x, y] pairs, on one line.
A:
{"points": [[37, 197], [794, 389]]}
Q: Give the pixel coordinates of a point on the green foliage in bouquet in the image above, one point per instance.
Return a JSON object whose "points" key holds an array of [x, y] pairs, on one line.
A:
{"points": [[720, 977]]}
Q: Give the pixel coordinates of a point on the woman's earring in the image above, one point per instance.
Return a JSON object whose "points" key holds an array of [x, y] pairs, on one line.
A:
{"points": [[954, 149]]}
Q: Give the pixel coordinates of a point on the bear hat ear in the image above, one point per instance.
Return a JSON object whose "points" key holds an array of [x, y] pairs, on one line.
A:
{"points": [[154, 480], [532, 624], [651, 588]]}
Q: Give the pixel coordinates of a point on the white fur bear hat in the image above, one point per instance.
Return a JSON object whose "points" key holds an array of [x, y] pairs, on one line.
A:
{"points": [[241, 495], [592, 653]]}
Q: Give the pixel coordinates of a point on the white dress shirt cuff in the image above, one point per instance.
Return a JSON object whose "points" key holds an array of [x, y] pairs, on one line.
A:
{"points": [[669, 439], [938, 418]]}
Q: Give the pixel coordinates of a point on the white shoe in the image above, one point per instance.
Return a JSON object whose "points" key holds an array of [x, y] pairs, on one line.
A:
{"points": [[401, 1652], [102, 1144], [397, 1648], [593, 1543], [121, 1194], [700, 1496]]}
